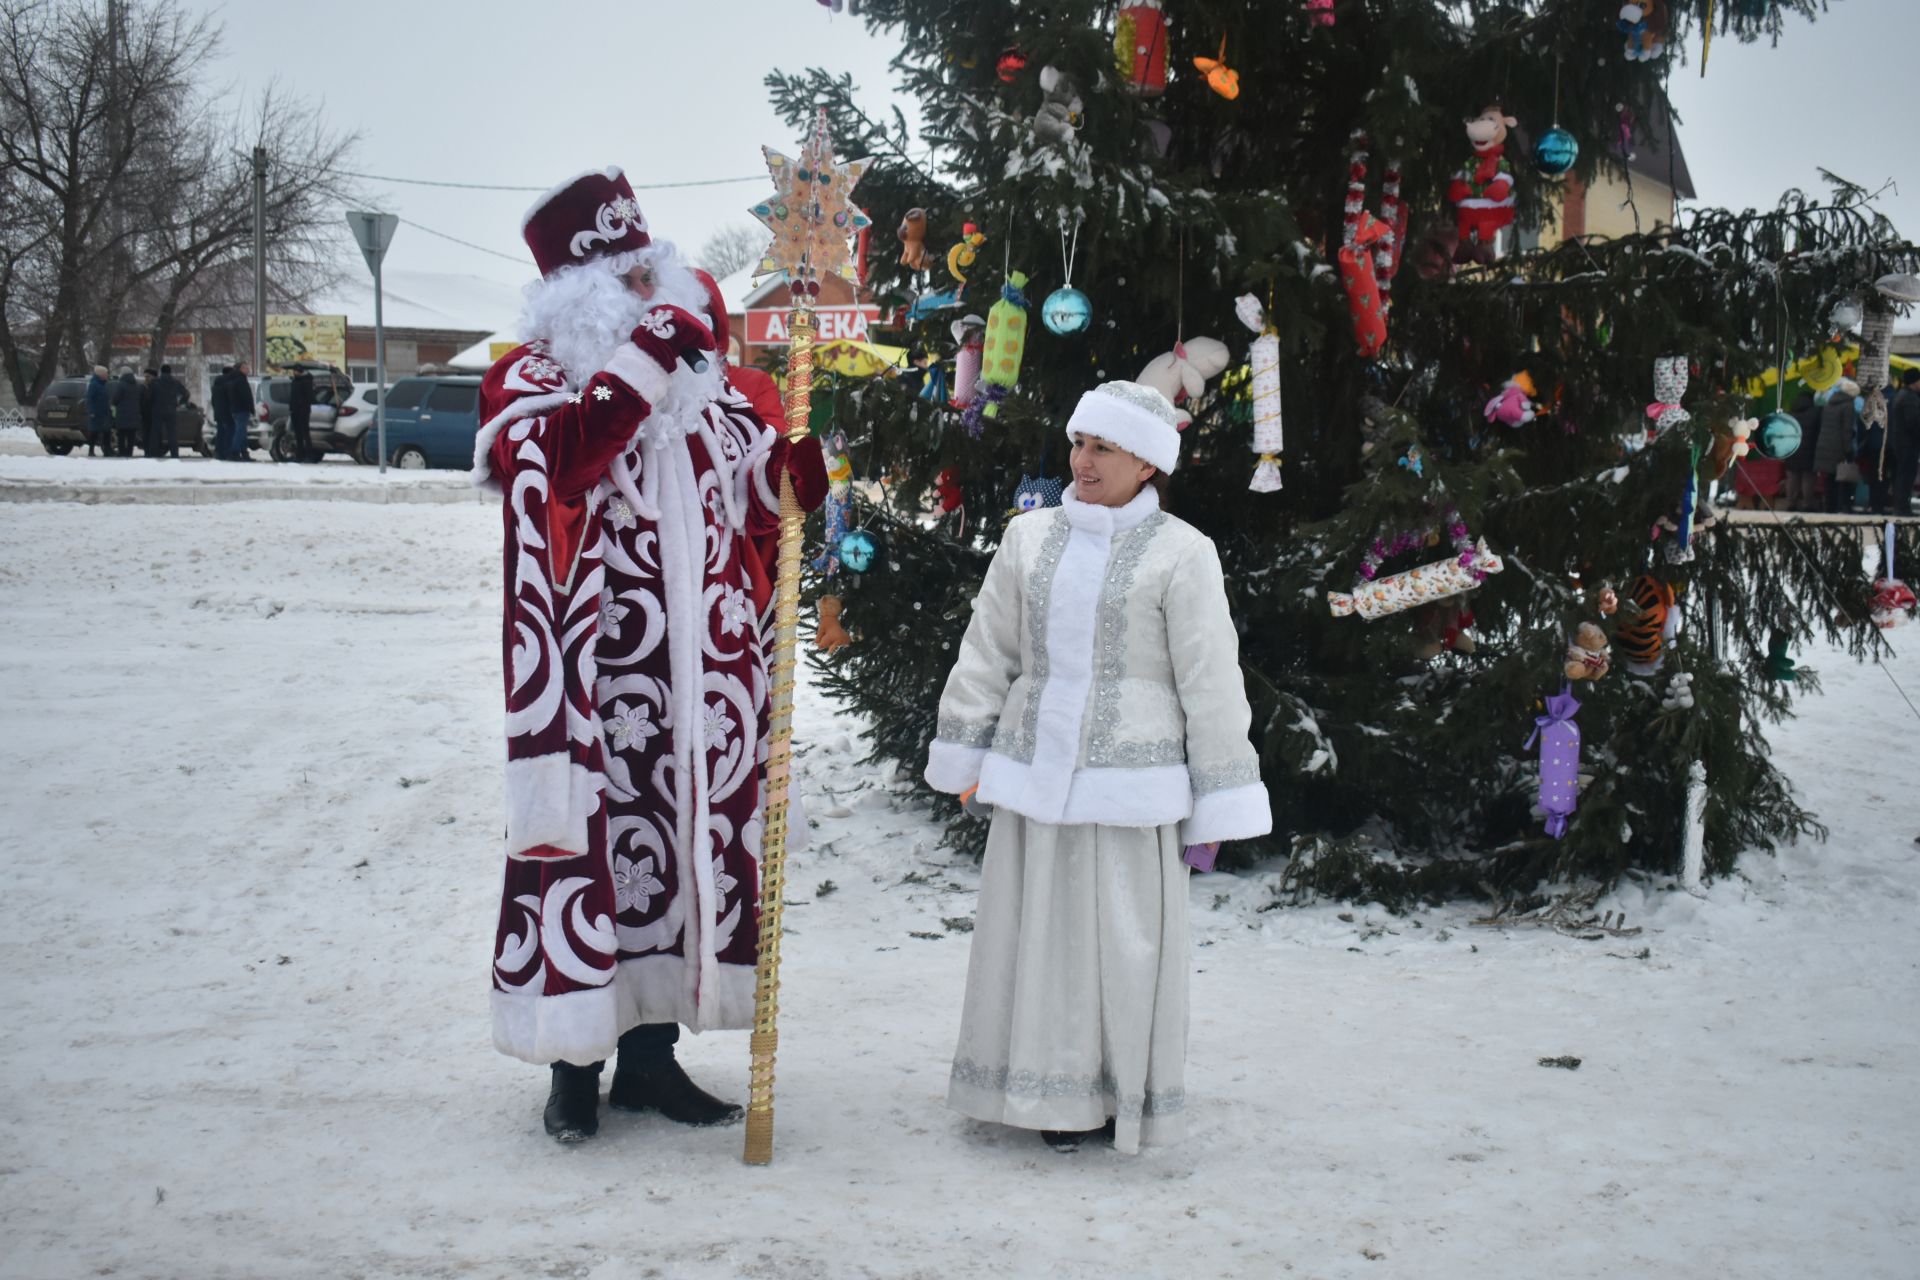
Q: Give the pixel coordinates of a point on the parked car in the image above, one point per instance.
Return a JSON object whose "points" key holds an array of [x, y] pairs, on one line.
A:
{"points": [[357, 420], [431, 422], [327, 427], [61, 420]]}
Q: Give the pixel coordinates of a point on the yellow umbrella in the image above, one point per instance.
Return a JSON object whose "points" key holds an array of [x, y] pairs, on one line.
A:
{"points": [[854, 359]]}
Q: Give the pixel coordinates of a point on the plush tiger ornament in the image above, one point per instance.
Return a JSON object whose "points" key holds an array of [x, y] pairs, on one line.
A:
{"points": [[1643, 640]]}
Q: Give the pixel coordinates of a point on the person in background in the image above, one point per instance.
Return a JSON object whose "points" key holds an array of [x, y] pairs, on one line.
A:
{"points": [[239, 415], [300, 413], [99, 414], [147, 380], [126, 413], [1798, 467], [168, 396], [1876, 462], [1903, 440], [1835, 447]]}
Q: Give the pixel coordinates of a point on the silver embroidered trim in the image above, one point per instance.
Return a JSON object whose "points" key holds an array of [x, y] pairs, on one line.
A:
{"points": [[965, 733], [1224, 777], [1019, 744], [1111, 636], [1034, 1084]]}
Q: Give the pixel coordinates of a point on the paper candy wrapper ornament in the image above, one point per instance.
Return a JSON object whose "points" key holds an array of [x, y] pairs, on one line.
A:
{"points": [[971, 333], [1000, 358], [1416, 587], [1363, 286], [834, 512], [1263, 359], [1559, 739]]}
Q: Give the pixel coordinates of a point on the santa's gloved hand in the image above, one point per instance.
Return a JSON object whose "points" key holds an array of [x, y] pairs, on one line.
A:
{"points": [[808, 467], [654, 351], [667, 334]]}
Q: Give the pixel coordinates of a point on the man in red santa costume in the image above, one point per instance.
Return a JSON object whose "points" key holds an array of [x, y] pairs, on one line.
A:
{"points": [[641, 508]]}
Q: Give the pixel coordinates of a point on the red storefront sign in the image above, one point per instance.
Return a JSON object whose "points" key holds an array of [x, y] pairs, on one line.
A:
{"points": [[767, 326], [181, 342]]}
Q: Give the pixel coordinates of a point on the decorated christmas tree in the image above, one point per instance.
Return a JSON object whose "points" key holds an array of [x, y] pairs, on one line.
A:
{"points": [[1461, 483]]}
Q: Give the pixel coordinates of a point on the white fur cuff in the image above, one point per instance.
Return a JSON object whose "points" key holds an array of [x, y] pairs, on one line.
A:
{"points": [[1238, 813], [953, 768], [640, 371]]}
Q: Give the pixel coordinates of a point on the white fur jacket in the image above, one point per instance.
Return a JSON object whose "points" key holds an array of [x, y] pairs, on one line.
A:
{"points": [[1099, 680]]}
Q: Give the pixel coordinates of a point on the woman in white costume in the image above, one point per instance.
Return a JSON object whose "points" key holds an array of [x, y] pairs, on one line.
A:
{"points": [[1098, 707]]}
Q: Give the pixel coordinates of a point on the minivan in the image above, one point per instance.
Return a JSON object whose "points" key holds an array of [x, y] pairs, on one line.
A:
{"points": [[431, 422]]}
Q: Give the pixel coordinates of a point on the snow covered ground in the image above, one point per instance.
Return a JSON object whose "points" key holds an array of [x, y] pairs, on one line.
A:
{"points": [[251, 820]]}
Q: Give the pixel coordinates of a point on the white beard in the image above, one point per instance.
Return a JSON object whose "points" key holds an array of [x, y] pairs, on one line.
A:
{"points": [[583, 313]]}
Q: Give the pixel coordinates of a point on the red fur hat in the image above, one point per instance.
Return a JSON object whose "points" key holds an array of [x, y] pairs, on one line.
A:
{"points": [[590, 216], [716, 310]]}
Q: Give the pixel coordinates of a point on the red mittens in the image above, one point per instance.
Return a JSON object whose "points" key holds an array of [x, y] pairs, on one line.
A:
{"points": [[667, 332], [806, 464]]}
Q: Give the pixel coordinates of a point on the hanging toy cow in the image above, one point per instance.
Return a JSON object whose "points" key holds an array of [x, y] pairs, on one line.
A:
{"points": [[1182, 374], [1482, 193]]}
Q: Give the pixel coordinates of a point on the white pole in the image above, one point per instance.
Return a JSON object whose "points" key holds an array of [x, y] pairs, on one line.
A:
{"points": [[1693, 856]]}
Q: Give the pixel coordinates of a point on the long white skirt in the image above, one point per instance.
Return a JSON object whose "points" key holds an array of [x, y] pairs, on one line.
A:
{"points": [[1076, 1005]]}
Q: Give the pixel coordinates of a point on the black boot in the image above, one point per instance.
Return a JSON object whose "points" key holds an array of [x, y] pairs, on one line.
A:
{"points": [[573, 1103], [1067, 1141], [647, 1078]]}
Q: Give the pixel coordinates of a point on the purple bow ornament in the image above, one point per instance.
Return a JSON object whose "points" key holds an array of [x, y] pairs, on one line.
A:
{"points": [[1559, 759]]}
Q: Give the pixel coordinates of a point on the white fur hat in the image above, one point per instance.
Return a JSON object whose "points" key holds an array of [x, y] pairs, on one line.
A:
{"points": [[1137, 418]]}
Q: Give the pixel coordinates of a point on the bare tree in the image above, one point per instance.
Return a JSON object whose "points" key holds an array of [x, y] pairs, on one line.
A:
{"points": [[105, 225], [731, 248]]}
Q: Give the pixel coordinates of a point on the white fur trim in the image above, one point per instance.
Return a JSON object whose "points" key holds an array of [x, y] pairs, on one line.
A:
{"points": [[1144, 434], [951, 767], [584, 1027], [1237, 813], [482, 474], [1107, 521], [640, 371], [549, 799], [762, 483], [612, 173], [1146, 797], [581, 1027]]}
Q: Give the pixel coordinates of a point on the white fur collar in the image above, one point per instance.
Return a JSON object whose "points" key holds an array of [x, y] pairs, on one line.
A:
{"points": [[1108, 521]]}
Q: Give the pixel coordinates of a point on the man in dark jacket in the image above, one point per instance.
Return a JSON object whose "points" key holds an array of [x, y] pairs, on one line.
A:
{"points": [[233, 409], [99, 413], [168, 396], [126, 412], [1836, 446], [1800, 494], [300, 413], [147, 380], [1903, 428]]}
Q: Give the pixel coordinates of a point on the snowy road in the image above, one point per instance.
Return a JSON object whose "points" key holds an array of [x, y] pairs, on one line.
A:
{"points": [[252, 807]]}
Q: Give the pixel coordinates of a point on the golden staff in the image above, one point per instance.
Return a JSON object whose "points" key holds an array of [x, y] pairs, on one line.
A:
{"points": [[812, 221]]}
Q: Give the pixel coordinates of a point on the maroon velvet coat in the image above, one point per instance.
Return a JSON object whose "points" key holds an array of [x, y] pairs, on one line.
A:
{"points": [[640, 516]]}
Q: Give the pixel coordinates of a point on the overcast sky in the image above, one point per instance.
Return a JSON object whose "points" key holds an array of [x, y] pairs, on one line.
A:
{"points": [[518, 94]]}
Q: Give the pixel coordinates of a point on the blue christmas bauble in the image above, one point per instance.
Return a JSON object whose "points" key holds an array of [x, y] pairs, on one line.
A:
{"points": [[1067, 311], [857, 550], [1555, 153], [1779, 434]]}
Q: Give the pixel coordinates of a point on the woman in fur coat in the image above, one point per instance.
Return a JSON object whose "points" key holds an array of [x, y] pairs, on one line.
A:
{"points": [[1098, 710]]}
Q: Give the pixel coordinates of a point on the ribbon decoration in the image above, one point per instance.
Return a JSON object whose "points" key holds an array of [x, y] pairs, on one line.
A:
{"points": [[1559, 739]]}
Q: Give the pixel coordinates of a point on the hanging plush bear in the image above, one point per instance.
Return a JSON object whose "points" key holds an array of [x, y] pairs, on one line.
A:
{"points": [[1588, 655], [1182, 373], [1645, 26], [913, 240], [1482, 193], [1059, 116]]}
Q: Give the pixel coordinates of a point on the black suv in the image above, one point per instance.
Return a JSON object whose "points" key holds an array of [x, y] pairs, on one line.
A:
{"points": [[61, 420]]}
